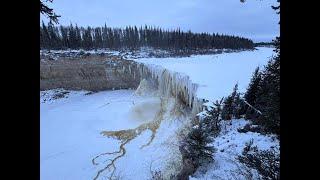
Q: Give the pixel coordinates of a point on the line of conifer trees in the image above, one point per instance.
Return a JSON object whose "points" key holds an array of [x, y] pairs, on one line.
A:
{"points": [[74, 37]]}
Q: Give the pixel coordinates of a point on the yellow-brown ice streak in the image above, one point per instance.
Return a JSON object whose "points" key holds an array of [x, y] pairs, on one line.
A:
{"points": [[125, 136]]}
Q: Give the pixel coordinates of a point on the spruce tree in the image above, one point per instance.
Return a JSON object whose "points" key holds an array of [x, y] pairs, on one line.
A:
{"points": [[197, 146], [64, 37], [268, 98], [72, 37], [45, 10], [53, 37], [211, 122], [87, 38], [78, 39], [227, 108], [44, 37], [237, 108], [233, 105], [229, 105], [251, 93], [97, 38]]}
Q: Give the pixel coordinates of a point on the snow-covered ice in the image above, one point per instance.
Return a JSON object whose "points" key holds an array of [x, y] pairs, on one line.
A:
{"points": [[216, 75], [70, 135]]}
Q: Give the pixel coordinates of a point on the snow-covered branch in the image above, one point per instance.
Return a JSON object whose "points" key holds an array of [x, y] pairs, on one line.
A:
{"points": [[253, 107]]}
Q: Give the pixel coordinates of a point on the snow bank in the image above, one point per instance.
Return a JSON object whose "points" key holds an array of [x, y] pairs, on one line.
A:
{"points": [[229, 145], [143, 52]]}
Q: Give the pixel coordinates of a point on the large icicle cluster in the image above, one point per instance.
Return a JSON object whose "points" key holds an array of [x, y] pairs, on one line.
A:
{"points": [[173, 84], [169, 84]]}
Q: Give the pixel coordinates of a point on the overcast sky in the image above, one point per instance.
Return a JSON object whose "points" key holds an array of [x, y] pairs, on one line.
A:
{"points": [[254, 19]]}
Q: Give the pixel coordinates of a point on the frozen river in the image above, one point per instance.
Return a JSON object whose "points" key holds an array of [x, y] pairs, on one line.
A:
{"points": [[122, 134]]}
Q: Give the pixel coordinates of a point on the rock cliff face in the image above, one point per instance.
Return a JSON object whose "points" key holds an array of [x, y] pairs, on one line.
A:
{"points": [[94, 75]]}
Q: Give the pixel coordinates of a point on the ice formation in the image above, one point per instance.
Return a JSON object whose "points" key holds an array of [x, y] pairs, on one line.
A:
{"points": [[146, 87], [173, 84], [168, 83]]}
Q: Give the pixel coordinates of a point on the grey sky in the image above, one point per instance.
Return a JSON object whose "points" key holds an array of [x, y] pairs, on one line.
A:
{"points": [[254, 19]]}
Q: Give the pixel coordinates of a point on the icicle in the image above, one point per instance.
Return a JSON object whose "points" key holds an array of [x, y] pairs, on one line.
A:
{"points": [[129, 69], [172, 84]]}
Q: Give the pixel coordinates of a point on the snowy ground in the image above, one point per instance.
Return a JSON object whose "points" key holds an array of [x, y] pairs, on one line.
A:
{"points": [[229, 145], [216, 75], [70, 135], [143, 52]]}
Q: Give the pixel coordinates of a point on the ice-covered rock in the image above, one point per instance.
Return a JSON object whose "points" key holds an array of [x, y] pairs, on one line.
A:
{"points": [[172, 84]]}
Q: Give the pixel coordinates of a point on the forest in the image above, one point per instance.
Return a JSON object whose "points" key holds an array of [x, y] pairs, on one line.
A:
{"points": [[132, 37]]}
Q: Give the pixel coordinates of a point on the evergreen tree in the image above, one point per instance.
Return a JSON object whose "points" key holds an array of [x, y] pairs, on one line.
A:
{"points": [[268, 98], [211, 122], [196, 146], [133, 38], [54, 37], [227, 108], [64, 37], [78, 38], [237, 106], [229, 105], [44, 37], [87, 39], [105, 36], [233, 106], [97, 38], [251, 93], [45, 10], [72, 37]]}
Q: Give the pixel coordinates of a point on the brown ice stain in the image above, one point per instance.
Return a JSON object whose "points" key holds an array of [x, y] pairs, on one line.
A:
{"points": [[125, 136]]}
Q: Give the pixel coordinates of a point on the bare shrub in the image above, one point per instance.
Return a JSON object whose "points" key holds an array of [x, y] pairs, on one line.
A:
{"points": [[266, 162], [156, 175]]}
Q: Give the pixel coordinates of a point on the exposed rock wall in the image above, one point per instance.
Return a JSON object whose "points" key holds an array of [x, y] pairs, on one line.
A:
{"points": [[93, 75]]}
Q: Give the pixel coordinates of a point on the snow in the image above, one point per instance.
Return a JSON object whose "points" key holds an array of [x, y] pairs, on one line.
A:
{"points": [[55, 54], [142, 52], [229, 145], [71, 126], [69, 132], [216, 75], [77, 126]]}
